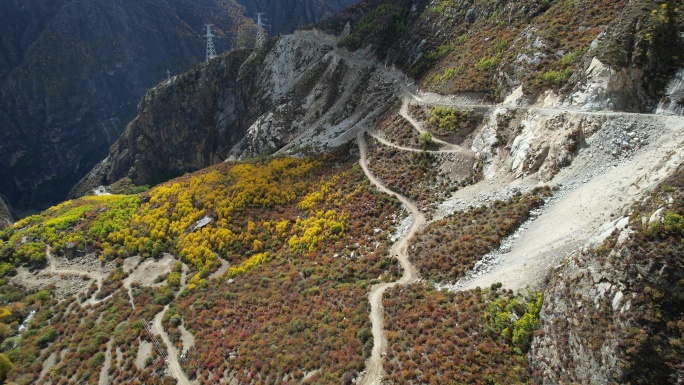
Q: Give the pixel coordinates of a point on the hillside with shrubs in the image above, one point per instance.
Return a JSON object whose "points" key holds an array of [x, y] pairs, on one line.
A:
{"points": [[489, 48], [293, 232], [378, 217]]}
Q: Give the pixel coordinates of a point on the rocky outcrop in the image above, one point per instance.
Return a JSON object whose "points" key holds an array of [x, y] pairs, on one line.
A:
{"points": [[526, 142], [612, 311], [182, 125], [7, 216], [330, 98], [71, 74], [673, 101], [602, 88], [246, 103]]}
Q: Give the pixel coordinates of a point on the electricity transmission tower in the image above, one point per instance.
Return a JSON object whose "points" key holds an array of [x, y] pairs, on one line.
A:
{"points": [[211, 50], [261, 32]]}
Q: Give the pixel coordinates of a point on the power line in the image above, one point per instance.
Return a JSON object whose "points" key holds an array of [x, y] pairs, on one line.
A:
{"points": [[261, 33], [211, 50]]}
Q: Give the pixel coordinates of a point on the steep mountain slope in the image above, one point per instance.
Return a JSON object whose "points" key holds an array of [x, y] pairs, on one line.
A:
{"points": [[304, 266], [246, 103], [492, 48], [284, 16], [503, 51], [617, 315], [7, 216], [71, 74]]}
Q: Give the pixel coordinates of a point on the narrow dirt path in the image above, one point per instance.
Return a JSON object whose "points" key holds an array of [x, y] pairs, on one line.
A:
{"points": [[432, 99], [172, 361], [454, 149], [374, 370], [104, 372], [419, 127], [225, 265], [146, 272], [48, 364]]}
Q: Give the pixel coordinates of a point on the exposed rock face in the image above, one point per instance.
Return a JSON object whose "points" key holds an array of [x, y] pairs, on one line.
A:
{"points": [[7, 216], [182, 125], [612, 312], [529, 142], [673, 102], [71, 74], [319, 104], [244, 104], [604, 88]]}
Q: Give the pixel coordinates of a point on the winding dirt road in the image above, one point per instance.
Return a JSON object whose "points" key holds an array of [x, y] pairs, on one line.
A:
{"points": [[454, 148], [172, 360], [419, 127], [374, 370]]}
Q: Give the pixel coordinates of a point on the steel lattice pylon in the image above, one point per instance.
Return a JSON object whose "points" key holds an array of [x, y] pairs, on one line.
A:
{"points": [[211, 50]]}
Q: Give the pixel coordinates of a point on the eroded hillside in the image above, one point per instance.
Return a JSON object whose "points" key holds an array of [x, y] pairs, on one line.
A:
{"points": [[301, 90]]}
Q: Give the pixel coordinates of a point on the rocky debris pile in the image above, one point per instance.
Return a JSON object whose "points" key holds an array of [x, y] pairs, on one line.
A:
{"points": [[66, 285], [616, 141], [86, 263], [621, 137], [463, 204]]}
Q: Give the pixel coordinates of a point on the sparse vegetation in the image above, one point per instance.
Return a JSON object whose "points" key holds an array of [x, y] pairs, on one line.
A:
{"points": [[637, 325], [416, 175], [398, 130], [425, 140], [446, 249], [447, 121]]}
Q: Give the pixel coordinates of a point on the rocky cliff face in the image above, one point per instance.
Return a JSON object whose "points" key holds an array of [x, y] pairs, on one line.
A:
{"points": [[7, 216], [301, 90], [614, 309], [71, 75]]}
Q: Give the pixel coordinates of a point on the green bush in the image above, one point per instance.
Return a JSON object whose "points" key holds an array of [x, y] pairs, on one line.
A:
{"points": [[425, 139], [556, 78], [48, 336], [487, 64]]}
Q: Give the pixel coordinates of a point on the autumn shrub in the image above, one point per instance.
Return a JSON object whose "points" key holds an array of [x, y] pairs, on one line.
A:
{"points": [[319, 320], [290, 228], [415, 175], [446, 250], [398, 130], [438, 337]]}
